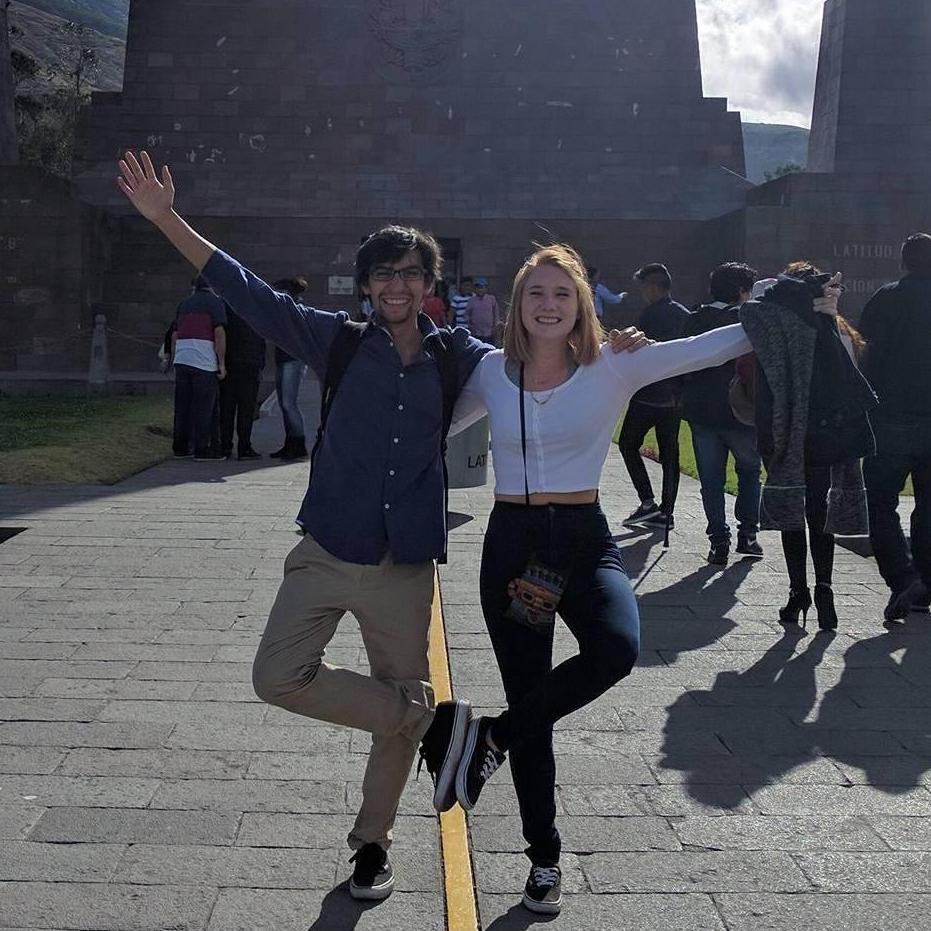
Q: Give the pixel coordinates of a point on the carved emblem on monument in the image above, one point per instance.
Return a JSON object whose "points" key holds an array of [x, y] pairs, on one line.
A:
{"points": [[415, 38]]}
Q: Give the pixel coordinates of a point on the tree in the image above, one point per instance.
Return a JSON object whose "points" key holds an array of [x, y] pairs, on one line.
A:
{"points": [[9, 148], [47, 112], [788, 168]]}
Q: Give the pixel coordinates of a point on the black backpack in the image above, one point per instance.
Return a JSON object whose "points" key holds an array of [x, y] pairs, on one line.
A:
{"points": [[345, 344]]}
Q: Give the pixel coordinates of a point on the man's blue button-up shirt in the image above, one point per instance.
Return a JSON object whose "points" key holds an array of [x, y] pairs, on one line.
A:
{"points": [[377, 483]]}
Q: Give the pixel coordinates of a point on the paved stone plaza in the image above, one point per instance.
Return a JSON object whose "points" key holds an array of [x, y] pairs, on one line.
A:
{"points": [[741, 779]]}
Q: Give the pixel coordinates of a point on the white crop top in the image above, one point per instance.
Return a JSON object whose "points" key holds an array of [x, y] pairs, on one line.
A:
{"points": [[568, 435]]}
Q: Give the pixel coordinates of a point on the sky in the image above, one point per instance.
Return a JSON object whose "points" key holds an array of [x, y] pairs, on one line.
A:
{"points": [[762, 55]]}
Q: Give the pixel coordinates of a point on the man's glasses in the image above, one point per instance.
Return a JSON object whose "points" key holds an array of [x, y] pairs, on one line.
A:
{"points": [[408, 273]]}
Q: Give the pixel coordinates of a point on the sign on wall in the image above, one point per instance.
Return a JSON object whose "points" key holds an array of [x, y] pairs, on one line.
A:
{"points": [[341, 284]]}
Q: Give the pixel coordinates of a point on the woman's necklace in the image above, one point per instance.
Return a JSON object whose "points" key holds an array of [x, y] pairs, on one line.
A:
{"points": [[550, 388]]}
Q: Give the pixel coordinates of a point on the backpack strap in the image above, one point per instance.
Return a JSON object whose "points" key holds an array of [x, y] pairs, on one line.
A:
{"points": [[345, 343]]}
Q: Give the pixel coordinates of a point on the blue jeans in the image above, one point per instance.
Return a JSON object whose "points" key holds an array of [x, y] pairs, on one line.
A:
{"points": [[599, 608], [711, 446], [288, 377]]}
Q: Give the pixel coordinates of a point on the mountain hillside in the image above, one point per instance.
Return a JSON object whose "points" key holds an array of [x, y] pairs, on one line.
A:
{"points": [[107, 17], [39, 35], [769, 145]]}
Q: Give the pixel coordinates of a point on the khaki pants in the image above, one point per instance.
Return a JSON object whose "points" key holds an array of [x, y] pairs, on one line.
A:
{"points": [[395, 704]]}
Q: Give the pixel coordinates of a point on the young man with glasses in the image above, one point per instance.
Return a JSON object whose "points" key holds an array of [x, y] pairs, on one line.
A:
{"points": [[373, 515]]}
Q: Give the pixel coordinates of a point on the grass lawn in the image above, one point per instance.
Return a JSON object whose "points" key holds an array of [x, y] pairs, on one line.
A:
{"points": [[687, 459], [88, 440]]}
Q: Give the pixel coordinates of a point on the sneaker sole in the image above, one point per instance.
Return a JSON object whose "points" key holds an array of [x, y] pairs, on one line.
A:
{"points": [[371, 893], [542, 908], [749, 555], [463, 769], [445, 795]]}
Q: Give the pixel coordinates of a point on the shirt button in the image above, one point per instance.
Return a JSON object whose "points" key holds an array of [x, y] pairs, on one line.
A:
{"points": [[387, 507], [401, 375], [391, 471], [396, 440], [400, 407]]}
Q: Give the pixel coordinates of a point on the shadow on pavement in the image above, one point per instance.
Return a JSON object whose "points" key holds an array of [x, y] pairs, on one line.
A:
{"points": [[339, 911], [875, 718], [518, 918]]}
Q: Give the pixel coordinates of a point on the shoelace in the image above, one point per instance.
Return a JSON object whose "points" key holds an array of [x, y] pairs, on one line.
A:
{"points": [[490, 763], [544, 875], [420, 766]]}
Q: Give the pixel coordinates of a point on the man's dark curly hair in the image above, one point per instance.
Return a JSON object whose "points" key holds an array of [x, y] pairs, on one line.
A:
{"points": [[391, 243]]}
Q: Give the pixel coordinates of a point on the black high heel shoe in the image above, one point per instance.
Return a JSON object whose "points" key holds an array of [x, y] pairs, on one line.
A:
{"points": [[824, 605], [798, 604]]}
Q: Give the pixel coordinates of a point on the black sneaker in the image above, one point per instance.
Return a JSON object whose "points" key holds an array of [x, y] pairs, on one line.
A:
{"points": [[209, 455], [441, 749], [183, 455], [543, 892], [249, 453], [900, 602], [748, 546], [719, 553], [477, 765], [659, 520], [922, 605], [372, 876], [642, 512]]}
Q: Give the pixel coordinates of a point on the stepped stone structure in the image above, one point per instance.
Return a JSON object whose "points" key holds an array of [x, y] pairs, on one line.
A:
{"points": [[295, 127], [868, 183]]}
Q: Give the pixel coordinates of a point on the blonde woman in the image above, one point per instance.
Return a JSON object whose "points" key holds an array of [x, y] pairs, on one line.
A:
{"points": [[553, 396]]}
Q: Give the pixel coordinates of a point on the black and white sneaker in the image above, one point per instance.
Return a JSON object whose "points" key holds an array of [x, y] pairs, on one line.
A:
{"points": [[658, 519], [719, 553], [441, 749], [749, 546], [478, 763], [543, 892], [641, 514], [372, 876]]}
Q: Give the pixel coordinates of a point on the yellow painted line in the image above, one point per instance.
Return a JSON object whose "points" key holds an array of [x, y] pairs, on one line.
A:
{"points": [[461, 910]]}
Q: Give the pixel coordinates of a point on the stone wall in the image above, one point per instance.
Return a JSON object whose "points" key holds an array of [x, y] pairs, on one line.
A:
{"points": [[53, 255]]}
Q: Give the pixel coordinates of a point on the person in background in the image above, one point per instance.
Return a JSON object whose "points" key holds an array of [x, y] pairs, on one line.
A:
{"points": [[601, 293], [434, 307], [245, 359], [459, 302], [289, 373], [655, 406], [198, 353], [716, 432], [896, 325], [482, 312]]}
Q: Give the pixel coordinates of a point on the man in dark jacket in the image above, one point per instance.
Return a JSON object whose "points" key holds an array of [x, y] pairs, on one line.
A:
{"points": [[245, 359], [716, 432], [656, 405], [896, 325]]}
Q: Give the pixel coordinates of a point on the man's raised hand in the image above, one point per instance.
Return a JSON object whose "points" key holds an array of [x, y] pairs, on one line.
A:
{"points": [[138, 180]]}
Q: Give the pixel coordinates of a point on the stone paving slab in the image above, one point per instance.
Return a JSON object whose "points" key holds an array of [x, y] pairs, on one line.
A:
{"points": [[741, 778]]}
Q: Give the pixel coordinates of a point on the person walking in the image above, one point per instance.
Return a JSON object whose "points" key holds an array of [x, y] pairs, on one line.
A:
{"points": [[239, 391], [198, 354], [716, 431], [482, 312], [552, 396], [833, 427], [602, 293], [896, 325], [459, 302], [289, 373], [656, 406], [373, 514]]}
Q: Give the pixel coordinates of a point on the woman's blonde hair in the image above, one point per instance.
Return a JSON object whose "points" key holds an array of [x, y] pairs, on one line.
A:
{"points": [[587, 334]]}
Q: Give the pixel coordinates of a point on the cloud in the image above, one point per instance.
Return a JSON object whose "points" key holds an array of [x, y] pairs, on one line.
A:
{"points": [[762, 55]]}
